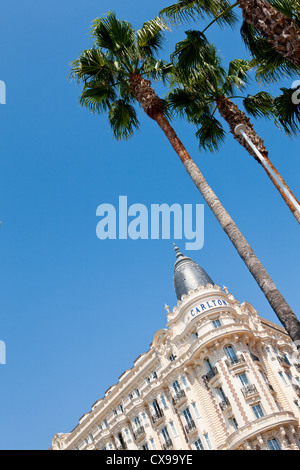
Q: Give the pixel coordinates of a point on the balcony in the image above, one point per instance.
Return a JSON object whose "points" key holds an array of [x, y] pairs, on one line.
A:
{"points": [[224, 404], [249, 390], [260, 426], [157, 416], [234, 361], [212, 373], [297, 389], [190, 426], [167, 445], [180, 395], [139, 433], [283, 361]]}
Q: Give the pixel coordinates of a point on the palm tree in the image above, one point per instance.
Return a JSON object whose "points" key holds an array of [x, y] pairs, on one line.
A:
{"points": [[276, 20], [204, 86], [115, 74]]}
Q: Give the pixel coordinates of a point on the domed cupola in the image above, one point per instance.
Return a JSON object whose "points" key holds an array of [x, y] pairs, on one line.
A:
{"points": [[188, 275]]}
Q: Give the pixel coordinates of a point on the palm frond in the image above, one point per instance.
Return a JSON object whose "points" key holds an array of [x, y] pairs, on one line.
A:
{"points": [[122, 119], [113, 34], [92, 63], [157, 69], [259, 105], [289, 8], [237, 76], [194, 50], [287, 110], [210, 133], [150, 38], [97, 96], [270, 66], [192, 10]]}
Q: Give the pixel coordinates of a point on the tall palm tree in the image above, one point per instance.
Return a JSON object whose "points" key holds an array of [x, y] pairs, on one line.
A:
{"points": [[115, 74], [277, 20], [204, 86]]}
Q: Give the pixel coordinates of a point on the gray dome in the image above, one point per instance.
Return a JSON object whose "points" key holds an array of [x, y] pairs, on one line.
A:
{"points": [[188, 275]]}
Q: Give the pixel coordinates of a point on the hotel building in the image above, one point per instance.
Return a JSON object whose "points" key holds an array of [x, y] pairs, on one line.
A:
{"points": [[217, 377]]}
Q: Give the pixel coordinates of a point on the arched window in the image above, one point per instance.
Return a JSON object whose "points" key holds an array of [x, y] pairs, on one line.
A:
{"points": [[273, 444]]}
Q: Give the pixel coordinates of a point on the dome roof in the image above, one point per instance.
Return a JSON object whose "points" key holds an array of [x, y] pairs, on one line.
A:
{"points": [[188, 275]]}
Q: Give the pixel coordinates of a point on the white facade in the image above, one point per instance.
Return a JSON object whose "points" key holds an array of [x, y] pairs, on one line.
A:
{"points": [[218, 377]]}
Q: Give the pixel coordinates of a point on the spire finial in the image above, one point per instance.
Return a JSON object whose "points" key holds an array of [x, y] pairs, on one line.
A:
{"points": [[178, 253]]}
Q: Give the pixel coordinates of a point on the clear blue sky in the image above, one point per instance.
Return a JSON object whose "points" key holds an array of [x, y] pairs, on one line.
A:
{"points": [[76, 311]]}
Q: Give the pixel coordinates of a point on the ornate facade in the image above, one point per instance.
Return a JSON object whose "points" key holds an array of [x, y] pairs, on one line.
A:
{"points": [[218, 377]]}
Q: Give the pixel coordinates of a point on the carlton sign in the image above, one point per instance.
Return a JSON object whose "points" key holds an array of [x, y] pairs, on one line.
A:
{"points": [[207, 306]]}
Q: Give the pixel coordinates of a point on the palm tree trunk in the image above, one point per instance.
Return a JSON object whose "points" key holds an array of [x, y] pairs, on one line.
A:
{"points": [[152, 106], [234, 116], [279, 30]]}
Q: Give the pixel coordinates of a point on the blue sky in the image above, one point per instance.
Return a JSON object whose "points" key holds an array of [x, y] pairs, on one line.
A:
{"points": [[76, 311]]}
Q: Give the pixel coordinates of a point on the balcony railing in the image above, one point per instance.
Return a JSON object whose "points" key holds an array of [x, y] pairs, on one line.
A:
{"points": [[224, 404], [139, 432], [168, 444], [212, 373], [249, 390], [178, 397], [235, 360], [190, 426], [157, 416]]}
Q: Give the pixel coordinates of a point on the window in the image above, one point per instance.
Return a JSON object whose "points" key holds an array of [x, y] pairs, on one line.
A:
{"points": [[137, 392], [100, 427], [105, 423], [173, 429], [121, 408], [243, 379], [282, 378], [137, 422], [184, 381], [230, 353], [165, 434], [289, 377], [221, 393], [130, 396], [195, 408], [187, 415], [208, 365], [163, 400], [273, 444], [233, 423], [153, 444], [172, 358], [198, 445], [216, 323], [206, 436], [154, 375], [286, 359], [145, 446], [257, 410], [91, 437], [156, 407], [176, 386]]}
